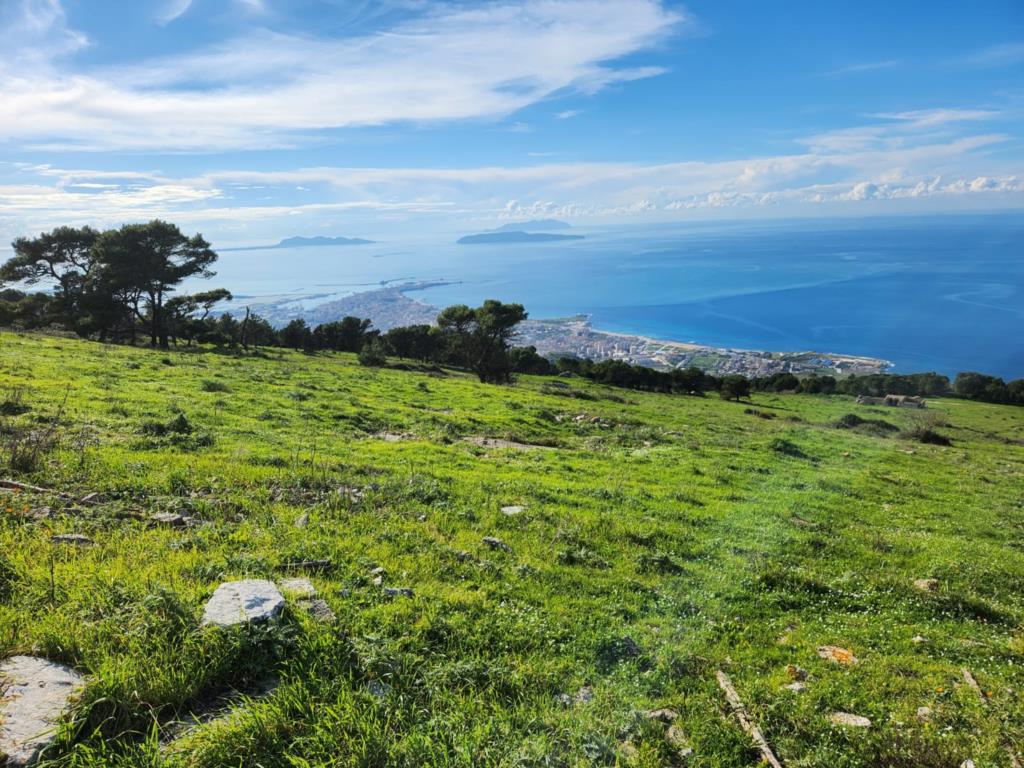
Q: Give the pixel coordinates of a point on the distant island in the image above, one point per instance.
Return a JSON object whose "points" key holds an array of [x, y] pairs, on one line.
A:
{"points": [[304, 242], [514, 236], [533, 225]]}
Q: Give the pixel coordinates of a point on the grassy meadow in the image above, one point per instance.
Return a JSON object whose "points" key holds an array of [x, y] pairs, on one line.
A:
{"points": [[661, 539]]}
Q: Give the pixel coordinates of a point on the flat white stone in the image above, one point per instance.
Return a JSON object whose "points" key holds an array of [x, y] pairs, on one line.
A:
{"points": [[513, 509], [34, 694], [239, 602], [847, 719]]}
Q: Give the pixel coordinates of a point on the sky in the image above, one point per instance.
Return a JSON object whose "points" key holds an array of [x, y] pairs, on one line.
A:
{"points": [[254, 120]]}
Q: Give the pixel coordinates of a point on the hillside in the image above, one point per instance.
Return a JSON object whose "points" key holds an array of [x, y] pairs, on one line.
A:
{"points": [[544, 592]]}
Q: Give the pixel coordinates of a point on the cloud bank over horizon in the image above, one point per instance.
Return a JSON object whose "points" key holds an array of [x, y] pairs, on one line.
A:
{"points": [[248, 117]]}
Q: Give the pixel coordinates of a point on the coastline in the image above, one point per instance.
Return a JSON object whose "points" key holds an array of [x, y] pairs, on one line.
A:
{"points": [[389, 306]]}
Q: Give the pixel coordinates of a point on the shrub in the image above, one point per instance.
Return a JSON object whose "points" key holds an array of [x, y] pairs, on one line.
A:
{"points": [[786, 448], [212, 385], [373, 354], [928, 436]]}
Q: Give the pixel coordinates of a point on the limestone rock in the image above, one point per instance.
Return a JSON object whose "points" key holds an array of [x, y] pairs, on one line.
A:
{"points": [[839, 655], [171, 518], [795, 672], [512, 510], [35, 694], [398, 592], [927, 585], [319, 610], [302, 520], [239, 602], [852, 721], [796, 687], [662, 715], [924, 714]]}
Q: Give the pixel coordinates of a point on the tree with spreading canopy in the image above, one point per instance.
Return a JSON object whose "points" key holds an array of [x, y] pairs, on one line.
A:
{"points": [[479, 338]]}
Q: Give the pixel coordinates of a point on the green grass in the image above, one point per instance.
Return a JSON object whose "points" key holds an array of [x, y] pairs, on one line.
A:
{"points": [[670, 538]]}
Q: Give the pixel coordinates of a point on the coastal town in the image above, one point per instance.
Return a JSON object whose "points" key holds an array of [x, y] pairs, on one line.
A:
{"points": [[390, 306]]}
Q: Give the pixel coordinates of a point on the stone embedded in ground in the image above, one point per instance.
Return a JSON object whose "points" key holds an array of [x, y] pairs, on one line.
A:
{"points": [[917, 640], [240, 602], [171, 518], [838, 655], [299, 587], [75, 539], [35, 694], [926, 585], [662, 715], [378, 689], [924, 714], [318, 609], [302, 520], [675, 736], [398, 592], [796, 687], [847, 719], [513, 509], [496, 543]]}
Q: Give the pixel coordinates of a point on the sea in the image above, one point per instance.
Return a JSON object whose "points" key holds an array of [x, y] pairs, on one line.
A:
{"points": [[936, 293]]}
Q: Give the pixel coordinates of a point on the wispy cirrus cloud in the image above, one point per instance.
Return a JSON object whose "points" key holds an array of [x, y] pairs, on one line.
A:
{"points": [[1000, 55], [864, 66], [273, 89]]}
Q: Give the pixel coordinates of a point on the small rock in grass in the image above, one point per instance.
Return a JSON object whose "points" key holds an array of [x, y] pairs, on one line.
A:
{"points": [[378, 689], [74, 539], [90, 498], [398, 592], [239, 602], [847, 719], [795, 672], [378, 581], [675, 736], [917, 640], [796, 687], [662, 715], [302, 520], [924, 714], [319, 609], [299, 587], [512, 510], [35, 694], [495, 543], [968, 763], [378, 571], [421, 519], [838, 655], [628, 751], [463, 556], [926, 585], [170, 518]]}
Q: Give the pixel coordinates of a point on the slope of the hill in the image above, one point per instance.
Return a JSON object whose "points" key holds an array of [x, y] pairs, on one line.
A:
{"points": [[653, 541]]}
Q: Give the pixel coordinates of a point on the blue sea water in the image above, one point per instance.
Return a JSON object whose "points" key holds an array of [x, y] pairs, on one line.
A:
{"points": [[929, 293]]}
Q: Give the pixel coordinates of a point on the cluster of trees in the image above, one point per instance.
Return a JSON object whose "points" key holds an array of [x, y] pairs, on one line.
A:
{"points": [[988, 389], [112, 285]]}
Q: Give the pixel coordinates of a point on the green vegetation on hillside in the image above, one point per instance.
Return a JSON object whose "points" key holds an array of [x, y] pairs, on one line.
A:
{"points": [[648, 542]]}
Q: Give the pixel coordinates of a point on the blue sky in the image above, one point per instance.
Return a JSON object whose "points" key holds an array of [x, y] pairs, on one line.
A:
{"points": [[257, 119]]}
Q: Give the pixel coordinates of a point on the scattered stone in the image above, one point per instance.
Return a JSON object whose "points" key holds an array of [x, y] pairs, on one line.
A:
{"points": [[463, 556], [398, 592], [924, 714], [378, 581], [852, 721], [917, 640], [302, 520], [74, 539], [378, 689], [675, 736], [926, 585], [394, 437], [421, 519], [662, 715], [171, 518], [838, 655], [628, 751], [35, 694], [90, 498], [968, 763], [239, 602], [513, 510], [378, 571], [318, 609], [495, 543], [795, 672], [299, 587], [512, 445], [796, 687]]}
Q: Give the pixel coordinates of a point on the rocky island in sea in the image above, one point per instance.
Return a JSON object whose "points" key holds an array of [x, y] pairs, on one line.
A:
{"points": [[305, 242]]}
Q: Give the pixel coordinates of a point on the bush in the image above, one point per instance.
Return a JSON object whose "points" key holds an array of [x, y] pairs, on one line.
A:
{"points": [[212, 385], [786, 448], [928, 436], [373, 354]]}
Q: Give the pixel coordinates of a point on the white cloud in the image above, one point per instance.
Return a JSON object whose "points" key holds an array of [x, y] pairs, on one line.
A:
{"points": [[866, 66], [273, 89], [568, 113], [172, 10], [1003, 54]]}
